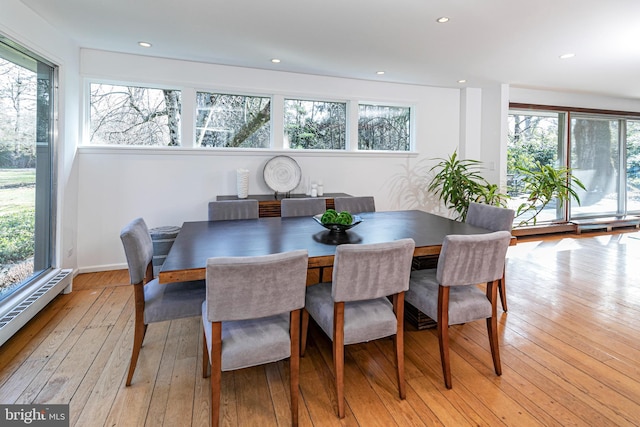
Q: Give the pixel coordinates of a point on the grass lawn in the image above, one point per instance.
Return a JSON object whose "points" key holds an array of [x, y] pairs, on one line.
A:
{"points": [[17, 206], [17, 190], [13, 177]]}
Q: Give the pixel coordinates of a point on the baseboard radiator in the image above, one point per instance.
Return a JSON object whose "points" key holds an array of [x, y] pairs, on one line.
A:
{"points": [[21, 308]]}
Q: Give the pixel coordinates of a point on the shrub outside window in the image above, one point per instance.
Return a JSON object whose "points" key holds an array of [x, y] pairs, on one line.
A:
{"points": [[132, 115], [318, 125], [230, 121], [384, 128]]}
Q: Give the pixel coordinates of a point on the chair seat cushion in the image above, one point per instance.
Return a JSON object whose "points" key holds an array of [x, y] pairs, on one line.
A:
{"points": [[363, 320], [251, 342], [466, 303], [172, 300]]}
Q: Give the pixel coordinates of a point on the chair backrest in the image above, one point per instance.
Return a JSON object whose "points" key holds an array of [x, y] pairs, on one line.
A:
{"points": [[138, 248], [252, 287], [472, 258], [302, 207], [223, 210], [374, 270], [492, 218], [355, 204]]}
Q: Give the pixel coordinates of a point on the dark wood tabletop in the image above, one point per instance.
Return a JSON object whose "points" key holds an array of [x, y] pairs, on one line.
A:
{"points": [[200, 240]]}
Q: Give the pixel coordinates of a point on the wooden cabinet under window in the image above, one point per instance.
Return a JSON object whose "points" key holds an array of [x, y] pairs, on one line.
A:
{"points": [[269, 204]]}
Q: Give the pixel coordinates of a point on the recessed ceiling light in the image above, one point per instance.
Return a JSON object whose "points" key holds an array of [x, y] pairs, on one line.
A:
{"points": [[462, 81], [567, 55], [379, 73], [442, 19], [144, 44], [275, 60]]}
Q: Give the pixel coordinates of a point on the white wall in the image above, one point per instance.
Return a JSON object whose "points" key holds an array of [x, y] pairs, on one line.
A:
{"points": [[169, 186], [20, 24], [494, 130], [470, 123]]}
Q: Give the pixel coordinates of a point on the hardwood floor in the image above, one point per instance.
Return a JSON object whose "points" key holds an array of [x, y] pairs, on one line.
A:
{"points": [[569, 346]]}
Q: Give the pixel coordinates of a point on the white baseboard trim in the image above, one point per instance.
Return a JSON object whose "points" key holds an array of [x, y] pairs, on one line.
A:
{"points": [[98, 268]]}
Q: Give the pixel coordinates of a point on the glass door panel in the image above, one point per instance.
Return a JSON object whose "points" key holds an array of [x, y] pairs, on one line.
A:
{"points": [[534, 137], [26, 140], [633, 165], [595, 161]]}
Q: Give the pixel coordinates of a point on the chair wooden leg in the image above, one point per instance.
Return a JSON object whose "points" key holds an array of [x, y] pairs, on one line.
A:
{"points": [[138, 337], [205, 356], [443, 333], [294, 364], [216, 371], [338, 354], [140, 329], [398, 340], [303, 331], [502, 287], [492, 327]]}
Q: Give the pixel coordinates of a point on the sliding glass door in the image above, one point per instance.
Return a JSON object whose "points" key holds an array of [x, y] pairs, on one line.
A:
{"points": [[632, 134], [603, 152], [26, 167], [595, 160], [534, 137]]}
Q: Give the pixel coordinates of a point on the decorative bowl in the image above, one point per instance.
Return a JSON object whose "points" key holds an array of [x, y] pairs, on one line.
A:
{"points": [[338, 228]]}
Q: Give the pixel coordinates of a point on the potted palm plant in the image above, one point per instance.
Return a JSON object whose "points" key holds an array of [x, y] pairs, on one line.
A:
{"points": [[544, 183], [457, 182]]}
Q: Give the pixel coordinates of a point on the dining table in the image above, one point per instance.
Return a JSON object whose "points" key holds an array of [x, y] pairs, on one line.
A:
{"points": [[199, 240]]}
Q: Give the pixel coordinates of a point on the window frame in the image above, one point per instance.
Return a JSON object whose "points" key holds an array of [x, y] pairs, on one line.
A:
{"points": [[86, 112], [46, 251], [231, 93], [411, 135], [276, 140], [570, 112], [347, 123]]}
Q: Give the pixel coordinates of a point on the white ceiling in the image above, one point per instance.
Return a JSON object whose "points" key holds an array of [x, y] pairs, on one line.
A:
{"points": [[486, 41]]}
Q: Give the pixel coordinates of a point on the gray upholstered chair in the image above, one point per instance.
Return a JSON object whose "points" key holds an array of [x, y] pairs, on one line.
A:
{"points": [[302, 207], [154, 302], [251, 316], [354, 308], [493, 218], [223, 210], [449, 295], [355, 205]]}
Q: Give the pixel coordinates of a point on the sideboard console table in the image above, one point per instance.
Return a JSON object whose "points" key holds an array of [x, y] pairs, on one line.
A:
{"points": [[269, 204]]}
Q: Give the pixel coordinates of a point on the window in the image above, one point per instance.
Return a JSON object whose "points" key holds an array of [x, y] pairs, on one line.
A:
{"points": [[595, 161], [383, 128], [132, 115], [534, 137], [633, 165], [232, 120], [26, 167], [317, 125], [604, 152], [145, 116]]}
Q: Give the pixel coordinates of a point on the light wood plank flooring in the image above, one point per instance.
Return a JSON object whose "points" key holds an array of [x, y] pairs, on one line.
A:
{"points": [[570, 352]]}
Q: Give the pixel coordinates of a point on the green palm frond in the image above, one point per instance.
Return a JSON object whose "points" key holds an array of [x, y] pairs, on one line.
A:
{"points": [[457, 182]]}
